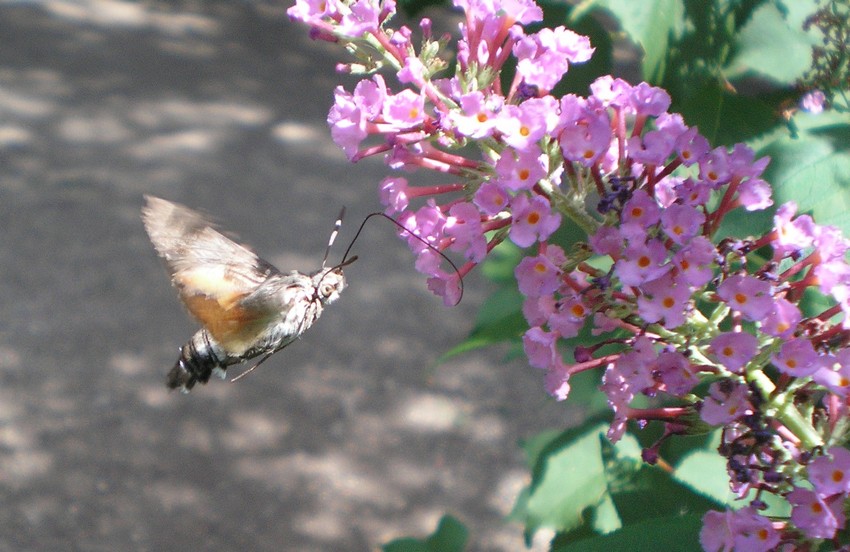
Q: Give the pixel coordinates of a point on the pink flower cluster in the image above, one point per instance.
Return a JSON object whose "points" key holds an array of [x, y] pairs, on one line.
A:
{"points": [[507, 191], [818, 511], [714, 328]]}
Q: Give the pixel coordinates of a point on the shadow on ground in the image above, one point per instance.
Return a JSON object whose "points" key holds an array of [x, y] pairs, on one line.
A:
{"points": [[349, 438]]}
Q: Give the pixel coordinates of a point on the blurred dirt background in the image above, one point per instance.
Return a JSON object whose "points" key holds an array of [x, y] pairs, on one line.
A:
{"points": [[351, 437]]}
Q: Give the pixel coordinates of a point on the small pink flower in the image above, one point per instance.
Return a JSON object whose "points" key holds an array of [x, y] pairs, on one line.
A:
{"points": [[446, 285], [682, 223], [521, 128], [464, 225], [541, 348], [568, 317], [813, 102], [792, 234], [642, 263], [726, 401], [393, 194], [740, 530], [815, 516], [692, 146], [714, 167], [533, 220], [653, 148], [584, 135], [734, 349], [544, 57], [538, 275], [834, 374], [521, 170], [607, 241], [831, 474], [797, 358], [649, 100], [478, 114], [676, 373], [747, 294], [557, 382], [641, 210], [405, 109], [664, 299], [755, 194], [491, 198], [783, 320], [695, 261]]}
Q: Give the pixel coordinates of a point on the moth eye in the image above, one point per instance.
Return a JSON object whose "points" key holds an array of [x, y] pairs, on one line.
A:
{"points": [[326, 290]]}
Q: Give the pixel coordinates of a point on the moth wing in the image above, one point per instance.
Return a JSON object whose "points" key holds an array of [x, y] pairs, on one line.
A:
{"points": [[212, 273]]}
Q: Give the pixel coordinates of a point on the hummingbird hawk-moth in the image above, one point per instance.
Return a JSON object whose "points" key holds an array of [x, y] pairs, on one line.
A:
{"points": [[247, 308]]}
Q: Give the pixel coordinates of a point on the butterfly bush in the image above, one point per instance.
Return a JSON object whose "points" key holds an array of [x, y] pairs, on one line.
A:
{"points": [[713, 326]]}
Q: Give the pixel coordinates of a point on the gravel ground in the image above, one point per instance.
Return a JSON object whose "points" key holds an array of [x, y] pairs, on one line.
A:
{"points": [[351, 437]]}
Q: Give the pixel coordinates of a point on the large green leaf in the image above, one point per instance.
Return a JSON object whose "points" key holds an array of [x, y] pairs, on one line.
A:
{"points": [[704, 471], [773, 43], [569, 477], [671, 533], [814, 168], [582, 486], [650, 24], [450, 536]]}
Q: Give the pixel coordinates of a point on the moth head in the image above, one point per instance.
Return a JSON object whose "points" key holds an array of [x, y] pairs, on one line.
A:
{"points": [[328, 284]]}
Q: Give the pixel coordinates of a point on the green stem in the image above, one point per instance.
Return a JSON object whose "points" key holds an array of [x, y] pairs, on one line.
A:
{"points": [[782, 405], [574, 211]]}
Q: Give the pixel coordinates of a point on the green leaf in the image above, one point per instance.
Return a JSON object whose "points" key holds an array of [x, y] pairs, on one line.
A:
{"points": [[570, 476], [678, 533], [773, 44], [583, 485], [704, 471], [450, 536], [650, 492], [500, 263], [814, 169], [414, 7], [650, 24], [725, 118], [500, 319]]}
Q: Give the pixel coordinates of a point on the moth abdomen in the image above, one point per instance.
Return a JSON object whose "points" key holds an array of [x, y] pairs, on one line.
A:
{"points": [[199, 358]]}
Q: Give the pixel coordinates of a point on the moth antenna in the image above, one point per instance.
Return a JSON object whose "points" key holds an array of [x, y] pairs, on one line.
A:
{"points": [[346, 261], [337, 226], [251, 369]]}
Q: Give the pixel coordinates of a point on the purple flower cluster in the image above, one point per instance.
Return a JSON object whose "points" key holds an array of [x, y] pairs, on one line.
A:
{"points": [[715, 328]]}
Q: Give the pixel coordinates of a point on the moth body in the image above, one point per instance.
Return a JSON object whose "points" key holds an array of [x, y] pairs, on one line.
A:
{"points": [[246, 307]]}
